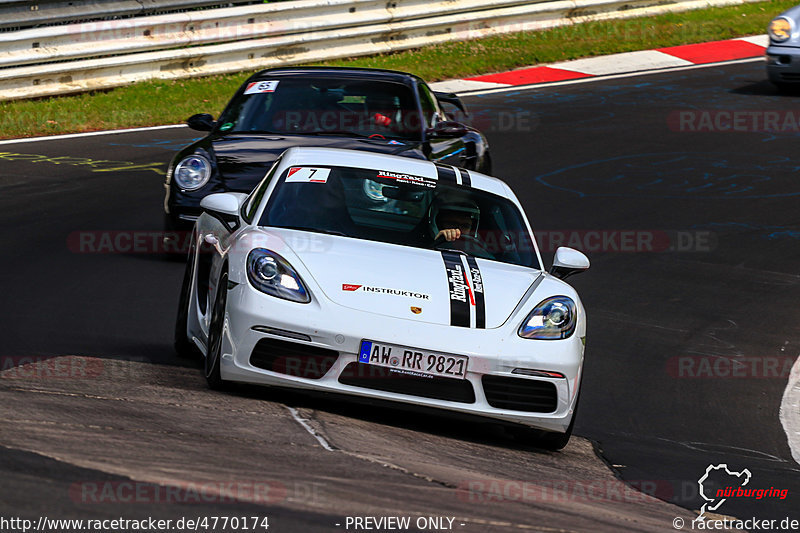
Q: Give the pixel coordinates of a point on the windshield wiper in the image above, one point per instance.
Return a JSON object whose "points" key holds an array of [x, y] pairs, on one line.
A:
{"points": [[315, 230]]}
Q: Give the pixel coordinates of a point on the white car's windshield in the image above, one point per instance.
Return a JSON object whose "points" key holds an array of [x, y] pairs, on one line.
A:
{"points": [[402, 209]]}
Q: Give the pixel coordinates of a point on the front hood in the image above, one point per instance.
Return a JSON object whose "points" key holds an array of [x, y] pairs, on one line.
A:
{"points": [[243, 160], [410, 283]]}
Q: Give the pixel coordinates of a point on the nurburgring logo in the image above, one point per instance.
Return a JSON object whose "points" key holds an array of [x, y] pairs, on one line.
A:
{"points": [[715, 491]]}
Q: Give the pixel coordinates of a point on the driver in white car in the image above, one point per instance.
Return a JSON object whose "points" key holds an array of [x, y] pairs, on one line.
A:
{"points": [[453, 216]]}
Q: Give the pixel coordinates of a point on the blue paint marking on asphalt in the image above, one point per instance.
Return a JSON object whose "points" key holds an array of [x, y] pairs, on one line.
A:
{"points": [[677, 175], [769, 232]]}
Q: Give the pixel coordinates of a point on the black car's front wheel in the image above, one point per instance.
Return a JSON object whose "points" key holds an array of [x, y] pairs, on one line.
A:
{"points": [[215, 332]]}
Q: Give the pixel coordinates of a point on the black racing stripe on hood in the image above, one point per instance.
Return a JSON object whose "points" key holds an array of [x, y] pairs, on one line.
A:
{"points": [[466, 181], [477, 288], [457, 289], [445, 173]]}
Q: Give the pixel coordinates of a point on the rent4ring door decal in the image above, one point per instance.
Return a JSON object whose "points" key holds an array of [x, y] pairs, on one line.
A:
{"points": [[465, 288]]}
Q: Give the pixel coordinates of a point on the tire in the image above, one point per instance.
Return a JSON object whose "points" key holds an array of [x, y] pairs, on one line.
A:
{"points": [[184, 347], [548, 440], [556, 441], [214, 351]]}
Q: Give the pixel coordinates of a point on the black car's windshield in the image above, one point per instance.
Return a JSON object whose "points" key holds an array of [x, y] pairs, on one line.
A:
{"points": [[398, 208], [319, 105]]}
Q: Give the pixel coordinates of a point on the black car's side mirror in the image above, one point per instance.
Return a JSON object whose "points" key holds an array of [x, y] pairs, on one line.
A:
{"points": [[447, 129], [451, 98], [201, 122]]}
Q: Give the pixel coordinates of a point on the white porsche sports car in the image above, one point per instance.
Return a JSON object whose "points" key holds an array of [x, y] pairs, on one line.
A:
{"points": [[391, 278]]}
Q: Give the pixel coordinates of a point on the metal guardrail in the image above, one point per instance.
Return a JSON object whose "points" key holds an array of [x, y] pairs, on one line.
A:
{"points": [[100, 54], [113, 37], [29, 13]]}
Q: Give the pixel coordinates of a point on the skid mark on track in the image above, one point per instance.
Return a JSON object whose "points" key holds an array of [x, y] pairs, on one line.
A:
{"points": [[704, 447], [790, 411], [717, 346]]}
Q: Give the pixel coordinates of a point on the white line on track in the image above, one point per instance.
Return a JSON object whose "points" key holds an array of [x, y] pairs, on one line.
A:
{"points": [[304, 422], [790, 411], [89, 134]]}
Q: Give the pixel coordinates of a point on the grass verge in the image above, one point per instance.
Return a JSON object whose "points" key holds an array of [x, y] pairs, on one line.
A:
{"points": [[170, 102]]}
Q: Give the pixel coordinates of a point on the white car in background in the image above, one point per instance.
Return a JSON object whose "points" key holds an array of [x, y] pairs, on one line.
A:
{"points": [[335, 275], [783, 52]]}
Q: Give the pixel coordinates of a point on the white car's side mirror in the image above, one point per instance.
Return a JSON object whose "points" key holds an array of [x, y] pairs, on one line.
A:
{"points": [[567, 262], [225, 207], [225, 203]]}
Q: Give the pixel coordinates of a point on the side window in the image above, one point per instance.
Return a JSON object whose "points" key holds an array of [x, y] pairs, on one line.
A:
{"points": [[251, 205], [430, 111]]}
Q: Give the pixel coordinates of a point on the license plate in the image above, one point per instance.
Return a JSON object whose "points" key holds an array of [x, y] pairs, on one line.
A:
{"points": [[412, 360]]}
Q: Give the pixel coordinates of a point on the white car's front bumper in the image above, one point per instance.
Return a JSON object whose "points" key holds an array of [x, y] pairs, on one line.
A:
{"points": [[322, 325]]}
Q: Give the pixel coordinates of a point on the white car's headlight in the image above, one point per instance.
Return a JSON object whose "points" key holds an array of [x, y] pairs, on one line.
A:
{"points": [[554, 318], [272, 274], [192, 172], [780, 29]]}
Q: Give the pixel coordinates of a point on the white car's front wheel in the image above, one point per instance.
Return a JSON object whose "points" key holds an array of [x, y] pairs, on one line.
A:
{"points": [[547, 440], [215, 331]]}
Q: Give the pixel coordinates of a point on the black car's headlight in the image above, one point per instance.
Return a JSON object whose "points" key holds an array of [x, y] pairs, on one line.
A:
{"points": [[192, 172], [272, 274], [554, 318], [780, 29]]}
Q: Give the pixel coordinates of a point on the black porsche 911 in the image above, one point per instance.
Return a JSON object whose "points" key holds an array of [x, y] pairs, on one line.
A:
{"points": [[363, 109]]}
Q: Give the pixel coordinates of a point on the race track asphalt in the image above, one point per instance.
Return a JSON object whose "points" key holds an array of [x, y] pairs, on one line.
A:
{"points": [[694, 238]]}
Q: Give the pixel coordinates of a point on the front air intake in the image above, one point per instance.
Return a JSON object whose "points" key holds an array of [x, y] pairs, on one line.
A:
{"points": [[293, 358], [517, 394]]}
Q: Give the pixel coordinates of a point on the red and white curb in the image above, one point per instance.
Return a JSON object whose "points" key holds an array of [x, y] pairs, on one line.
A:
{"points": [[625, 63]]}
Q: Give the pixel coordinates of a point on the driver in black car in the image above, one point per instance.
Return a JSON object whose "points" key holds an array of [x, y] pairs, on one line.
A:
{"points": [[452, 217]]}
